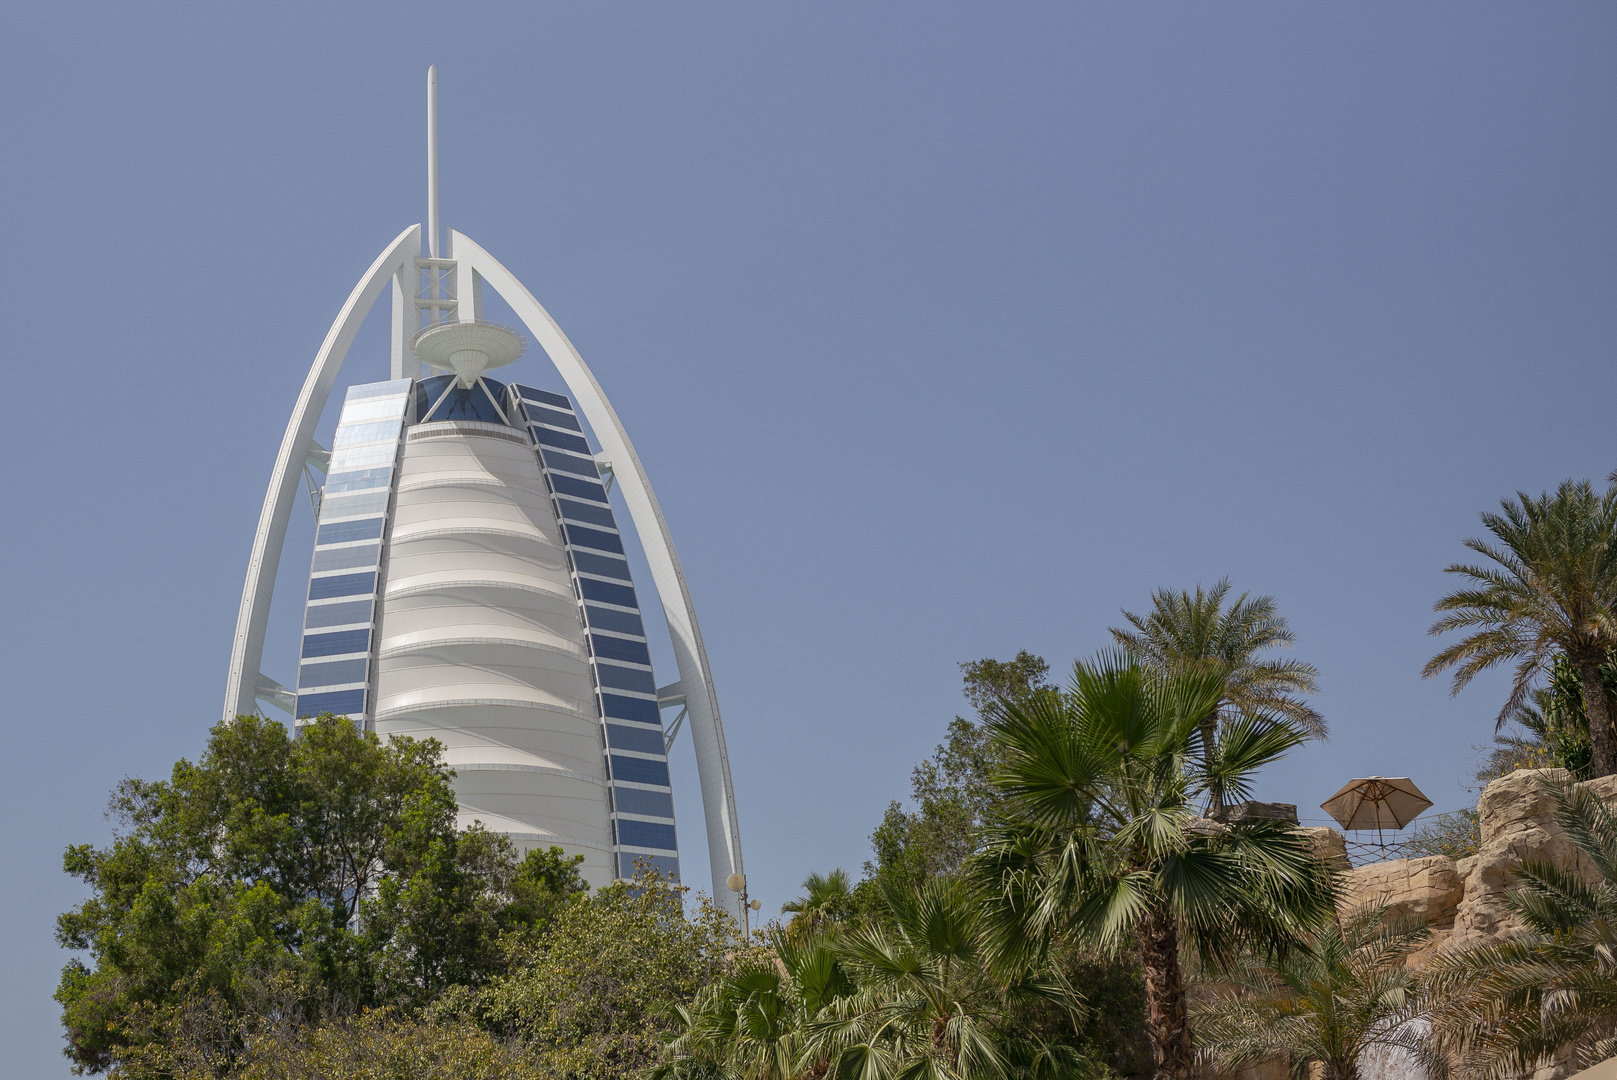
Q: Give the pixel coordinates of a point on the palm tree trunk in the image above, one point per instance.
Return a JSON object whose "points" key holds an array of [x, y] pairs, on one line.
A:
{"points": [[1165, 1017], [1215, 792], [1595, 711]]}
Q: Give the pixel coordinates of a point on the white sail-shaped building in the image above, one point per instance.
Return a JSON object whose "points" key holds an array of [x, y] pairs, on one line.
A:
{"points": [[469, 582]]}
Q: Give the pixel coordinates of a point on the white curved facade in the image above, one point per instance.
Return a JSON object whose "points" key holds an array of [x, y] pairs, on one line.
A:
{"points": [[500, 617]]}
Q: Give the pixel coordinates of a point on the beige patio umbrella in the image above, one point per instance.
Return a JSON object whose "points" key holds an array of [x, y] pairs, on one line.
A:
{"points": [[1376, 802]]}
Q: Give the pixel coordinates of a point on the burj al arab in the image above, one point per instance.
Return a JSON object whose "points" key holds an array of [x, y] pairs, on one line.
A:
{"points": [[468, 581]]}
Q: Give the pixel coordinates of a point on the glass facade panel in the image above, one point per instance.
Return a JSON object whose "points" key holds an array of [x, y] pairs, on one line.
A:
{"points": [[579, 536], [651, 834], [354, 434], [343, 641], [386, 408], [358, 481], [627, 708], [639, 770], [560, 439], [343, 558], [607, 593], [333, 673], [534, 394], [358, 457], [344, 505], [588, 512], [616, 648], [630, 800], [358, 611], [323, 588], [600, 564], [340, 702], [584, 489], [555, 459], [667, 866], [462, 402], [621, 737], [341, 532], [642, 682], [378, 389], [620, 622], [551, 416]]}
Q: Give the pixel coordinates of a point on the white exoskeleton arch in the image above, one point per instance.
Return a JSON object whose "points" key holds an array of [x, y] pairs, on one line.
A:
{"points": [[466, 268]]}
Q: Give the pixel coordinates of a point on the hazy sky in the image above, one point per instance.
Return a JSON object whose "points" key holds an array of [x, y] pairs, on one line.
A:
{"points": [[943, 332]]}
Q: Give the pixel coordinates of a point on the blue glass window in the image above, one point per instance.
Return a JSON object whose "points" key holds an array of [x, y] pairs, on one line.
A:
{"points": [[545, 396], [338, 702], [627, 708], [635, 770], [630, 800], [359, 480], [333, 673], [645, 740], [607, 593], [462, 403], [568, 485], [616, 648], [343, 558], [666, 865], [356, 611], [340, 532], [600, 564], [352, 504], [620, 678], [546, 437], [555, 459], [353, 434], [322, 588], [621, 622], [651, 834], [377, 389], [579, 536], [551, 416], [595, 515], [343, 641]]}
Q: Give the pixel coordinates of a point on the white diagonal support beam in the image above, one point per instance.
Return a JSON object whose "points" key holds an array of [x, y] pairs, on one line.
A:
{"points": [[247, 649], [707, 733]]}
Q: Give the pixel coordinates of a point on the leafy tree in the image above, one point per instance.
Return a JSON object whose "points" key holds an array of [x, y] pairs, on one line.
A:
{"points": [[1323, 1005], [1507, 1007], [1197, 632], [950, 790], [1099, 843], [590, 994], [827, 900], [1551, 591], [326, 865], [923, 1003]]}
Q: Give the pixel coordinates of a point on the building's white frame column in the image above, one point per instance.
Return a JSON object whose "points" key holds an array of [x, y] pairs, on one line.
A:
{"points": [[247, 650], [707, 733]]}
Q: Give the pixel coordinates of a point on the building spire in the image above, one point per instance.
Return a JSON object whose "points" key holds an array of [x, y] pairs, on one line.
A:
{"points": [[432, 161]]}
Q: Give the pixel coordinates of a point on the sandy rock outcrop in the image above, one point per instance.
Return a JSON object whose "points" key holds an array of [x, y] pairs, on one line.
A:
{"points": [[1516, 813]]}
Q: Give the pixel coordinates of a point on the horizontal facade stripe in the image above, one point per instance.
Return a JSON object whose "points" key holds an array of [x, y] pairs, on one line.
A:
{"points": [[588, 513], [341, 703], [324, 588], [618, 622], [534, 394], [620, 678], [583, 489], [639, 739], [346, 558], [333, 673], [607, 593], [359, 480], [540, 415], [646, 834], [601, 565], [560, 439], [631, 863], [647, 803], [342, 614], [555, 459], [634, 652], [579, 536]]}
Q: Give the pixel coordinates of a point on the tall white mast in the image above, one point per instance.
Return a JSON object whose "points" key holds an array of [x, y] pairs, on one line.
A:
{"points": [[432, 161]]}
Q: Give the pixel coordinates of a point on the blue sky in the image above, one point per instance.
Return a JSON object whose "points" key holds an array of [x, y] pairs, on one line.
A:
{"points": [[943, 331]]}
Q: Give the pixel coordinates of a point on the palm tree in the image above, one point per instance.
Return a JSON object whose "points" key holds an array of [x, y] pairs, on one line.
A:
{"points": [[1508, 1006], [1552, 590], [1196, 631], [827, 900], [925, 1006], [1345, 991], [1101, 846]]}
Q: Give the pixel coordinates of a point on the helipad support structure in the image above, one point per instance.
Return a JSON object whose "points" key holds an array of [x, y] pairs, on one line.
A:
{"points": [[468, 580]]}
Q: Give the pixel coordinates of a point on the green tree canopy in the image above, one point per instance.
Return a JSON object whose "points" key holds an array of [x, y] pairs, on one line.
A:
{"points": [[326, 865]]}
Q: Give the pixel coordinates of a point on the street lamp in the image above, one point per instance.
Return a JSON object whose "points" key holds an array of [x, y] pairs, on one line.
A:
{"points": [[738, 884]]}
